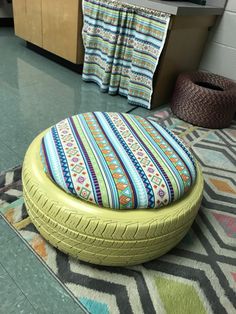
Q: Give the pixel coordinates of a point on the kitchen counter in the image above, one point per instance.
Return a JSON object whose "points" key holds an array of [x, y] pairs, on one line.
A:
{"points": [[177, 7]]}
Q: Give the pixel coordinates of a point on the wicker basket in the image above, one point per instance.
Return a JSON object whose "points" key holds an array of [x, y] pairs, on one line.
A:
{"points": [[204, 99]]}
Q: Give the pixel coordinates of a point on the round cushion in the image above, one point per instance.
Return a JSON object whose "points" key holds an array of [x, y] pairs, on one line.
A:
{"points": [[99, 235], [117, 161], [204, 99]]}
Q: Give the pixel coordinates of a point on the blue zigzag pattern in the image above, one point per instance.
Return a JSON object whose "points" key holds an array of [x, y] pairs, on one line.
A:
{"points": [[151, 201], [63, 161], [164, 175]]}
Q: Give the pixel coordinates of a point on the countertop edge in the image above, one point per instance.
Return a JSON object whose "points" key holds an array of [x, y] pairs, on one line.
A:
{"points": [[176, 8]]}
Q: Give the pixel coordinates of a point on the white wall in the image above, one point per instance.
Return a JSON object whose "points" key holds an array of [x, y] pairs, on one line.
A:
{"points": [[5, 9], [220, 54], [217, 3]]}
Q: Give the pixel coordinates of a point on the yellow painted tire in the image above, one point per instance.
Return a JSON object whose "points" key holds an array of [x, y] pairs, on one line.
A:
{"points": [[98, 235]]}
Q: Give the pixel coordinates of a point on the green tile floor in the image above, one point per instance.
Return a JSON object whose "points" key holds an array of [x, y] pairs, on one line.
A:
{"points": [[34, 94], [26, 286]]}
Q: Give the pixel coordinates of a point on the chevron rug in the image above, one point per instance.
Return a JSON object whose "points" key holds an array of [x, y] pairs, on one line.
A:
{"points": [[198, 276]]}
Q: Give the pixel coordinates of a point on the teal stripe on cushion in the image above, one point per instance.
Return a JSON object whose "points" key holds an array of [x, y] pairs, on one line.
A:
{"points": [[145, 148], [176, 175], [133, 174], [54, 161], [188, 161], [81, 149], [102, 164]]}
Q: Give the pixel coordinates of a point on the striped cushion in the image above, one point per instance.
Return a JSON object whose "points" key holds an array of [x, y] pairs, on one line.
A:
{"points": [[117, 160]]}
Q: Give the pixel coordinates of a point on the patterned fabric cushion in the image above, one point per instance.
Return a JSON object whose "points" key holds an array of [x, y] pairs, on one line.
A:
{"points": [[117, 160]]}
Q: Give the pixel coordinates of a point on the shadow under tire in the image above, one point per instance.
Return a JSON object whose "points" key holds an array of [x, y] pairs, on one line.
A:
{"points": [[98, 235]]}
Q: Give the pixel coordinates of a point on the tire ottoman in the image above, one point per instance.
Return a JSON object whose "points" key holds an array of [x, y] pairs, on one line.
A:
{"points": [[110, 188]]}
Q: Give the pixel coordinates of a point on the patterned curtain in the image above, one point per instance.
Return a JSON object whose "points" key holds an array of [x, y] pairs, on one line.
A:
{"points": [[123, 44]]}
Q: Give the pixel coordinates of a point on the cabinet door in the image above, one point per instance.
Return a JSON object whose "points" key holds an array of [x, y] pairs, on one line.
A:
{"points": [[60, 27], [34, 21], [28, 20], [20, 21]]}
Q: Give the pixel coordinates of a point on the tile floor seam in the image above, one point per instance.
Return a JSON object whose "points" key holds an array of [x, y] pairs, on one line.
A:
{"points": [[132, 109], [7, 272], [42, 263], [23, 293], [4, 143], [19, 158]]}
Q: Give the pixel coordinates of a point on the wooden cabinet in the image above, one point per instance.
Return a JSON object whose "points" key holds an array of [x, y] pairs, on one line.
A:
{"points": [[54, 25], [28, 20], [34, 21], [19, 11], [62, 23]]}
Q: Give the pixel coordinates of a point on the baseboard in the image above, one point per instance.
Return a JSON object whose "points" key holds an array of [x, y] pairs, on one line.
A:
{"points": [[6, 22], [78, 68]]}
